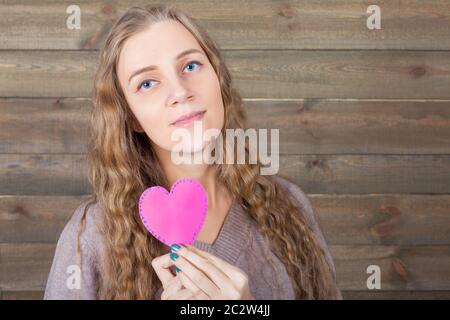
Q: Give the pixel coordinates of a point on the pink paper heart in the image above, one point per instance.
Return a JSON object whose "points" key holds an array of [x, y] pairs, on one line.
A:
{"points": [[175, 217]]}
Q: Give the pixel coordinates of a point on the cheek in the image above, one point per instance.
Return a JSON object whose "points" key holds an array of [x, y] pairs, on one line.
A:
{"points": [[156, 128], [216, 110], [216, 117]]}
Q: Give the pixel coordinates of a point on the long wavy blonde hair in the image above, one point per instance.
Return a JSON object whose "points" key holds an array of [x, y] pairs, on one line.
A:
{"points": [[122, 164]]}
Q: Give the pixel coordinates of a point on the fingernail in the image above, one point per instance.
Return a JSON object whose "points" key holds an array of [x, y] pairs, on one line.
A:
{"points": [[177, 269], [175, 247], [173, 256]]}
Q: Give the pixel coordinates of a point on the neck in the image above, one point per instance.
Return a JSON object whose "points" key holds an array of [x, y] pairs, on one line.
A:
{"points": [[203, 173]]}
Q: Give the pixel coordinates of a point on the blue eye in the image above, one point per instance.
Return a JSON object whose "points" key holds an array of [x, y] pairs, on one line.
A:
{"points": [[194, 62], [148, 81], [143, 83]]}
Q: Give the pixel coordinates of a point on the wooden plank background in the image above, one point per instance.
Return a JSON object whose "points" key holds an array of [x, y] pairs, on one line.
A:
{"points": [[364, 119]]}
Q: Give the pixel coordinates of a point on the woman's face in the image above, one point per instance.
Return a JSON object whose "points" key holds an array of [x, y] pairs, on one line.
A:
{"points": [[175, 86]]}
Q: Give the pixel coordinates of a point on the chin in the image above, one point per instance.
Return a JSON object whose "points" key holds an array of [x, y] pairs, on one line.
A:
{"points": [[195, 146]]}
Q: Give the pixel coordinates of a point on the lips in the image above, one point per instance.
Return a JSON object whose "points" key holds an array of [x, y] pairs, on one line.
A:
{"points": [[188, 117]]}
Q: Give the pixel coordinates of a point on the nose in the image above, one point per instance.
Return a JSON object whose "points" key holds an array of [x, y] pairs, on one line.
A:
{"points": [[178, 93]]}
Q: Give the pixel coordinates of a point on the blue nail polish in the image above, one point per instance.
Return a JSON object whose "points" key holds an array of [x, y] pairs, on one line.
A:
{"points": [[177, 269], [175, 247], [173, 256]]}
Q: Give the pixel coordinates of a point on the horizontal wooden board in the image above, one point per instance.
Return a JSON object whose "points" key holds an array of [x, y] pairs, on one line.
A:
{"points": [[344, 219], [41, 174], [25, 267], [402, 267], [44, 125], [66, 174], [317, 126], [347, 295], [270, 74], [262, 24], [396, 295], [35, 218], [397, 219], [306, 126], [22, 295], [362, 174]]}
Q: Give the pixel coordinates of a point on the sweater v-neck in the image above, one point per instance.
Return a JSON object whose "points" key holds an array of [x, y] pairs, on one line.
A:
{"points": [[232, 236]]}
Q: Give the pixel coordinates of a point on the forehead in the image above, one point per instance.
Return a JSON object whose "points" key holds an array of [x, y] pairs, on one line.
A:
{"points": [[160, 42]]}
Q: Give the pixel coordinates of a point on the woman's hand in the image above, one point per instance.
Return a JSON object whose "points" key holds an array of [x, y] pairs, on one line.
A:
{"points": [[209, 277], [173, 289]]}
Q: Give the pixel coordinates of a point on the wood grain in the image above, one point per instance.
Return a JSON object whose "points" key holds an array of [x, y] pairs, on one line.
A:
{"points": [[364, 120], [254, 24], [344, 219], [25, 267], [396, 295], [35, 218], [66, 174], [306, 126], [346, 294], [269, 74]]}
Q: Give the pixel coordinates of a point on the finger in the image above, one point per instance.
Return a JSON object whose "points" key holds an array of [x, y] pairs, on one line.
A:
{"points": [[182, 295], [208, 267], [172, 287], [161, 266], [191, 286], [197, 276], [228, 269]]}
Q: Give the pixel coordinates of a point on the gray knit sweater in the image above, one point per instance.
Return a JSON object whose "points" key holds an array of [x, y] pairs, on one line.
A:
{"points": [[239, 242]]}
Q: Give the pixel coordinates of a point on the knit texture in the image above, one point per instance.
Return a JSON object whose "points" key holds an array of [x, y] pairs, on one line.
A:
{"points": [[239, 242]]}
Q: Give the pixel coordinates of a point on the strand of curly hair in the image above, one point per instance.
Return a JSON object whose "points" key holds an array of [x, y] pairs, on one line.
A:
{"points": [[122, 165]]}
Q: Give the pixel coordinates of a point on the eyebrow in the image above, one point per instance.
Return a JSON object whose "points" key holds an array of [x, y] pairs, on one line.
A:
{"points": [[153, 67]]}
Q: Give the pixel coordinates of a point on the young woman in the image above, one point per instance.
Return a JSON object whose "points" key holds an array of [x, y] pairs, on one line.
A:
{"points": [[260, 239]]}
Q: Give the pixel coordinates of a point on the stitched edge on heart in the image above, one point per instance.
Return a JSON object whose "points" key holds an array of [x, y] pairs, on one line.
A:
{"points": [[182, 180]]}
